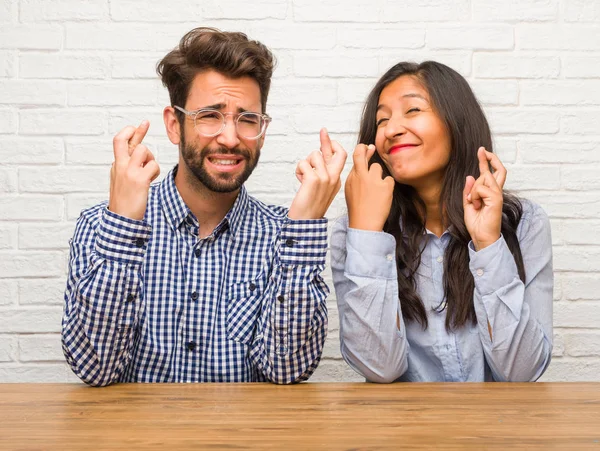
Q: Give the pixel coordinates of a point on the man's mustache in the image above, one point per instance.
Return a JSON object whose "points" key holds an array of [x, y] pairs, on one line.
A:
{"points": [[225, 151]]}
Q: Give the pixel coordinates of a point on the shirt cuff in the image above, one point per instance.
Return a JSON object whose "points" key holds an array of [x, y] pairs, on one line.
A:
{"points": [[492, 267], [121, 239], [371, 254], [303, 242]]}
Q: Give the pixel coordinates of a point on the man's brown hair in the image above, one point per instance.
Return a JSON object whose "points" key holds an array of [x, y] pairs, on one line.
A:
{"points": [[229, 53]]}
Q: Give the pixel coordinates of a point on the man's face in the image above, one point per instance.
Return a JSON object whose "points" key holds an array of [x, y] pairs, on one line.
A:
{"points": [[224, 162]]}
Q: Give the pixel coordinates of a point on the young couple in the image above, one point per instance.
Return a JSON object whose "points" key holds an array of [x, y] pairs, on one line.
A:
{"points": [[439, 274]]}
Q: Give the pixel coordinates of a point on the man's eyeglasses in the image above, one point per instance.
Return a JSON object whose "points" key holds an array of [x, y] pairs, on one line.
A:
{"points": [[210, 122]]}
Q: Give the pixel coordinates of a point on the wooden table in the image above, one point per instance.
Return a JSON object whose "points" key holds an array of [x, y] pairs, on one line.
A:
{"points": [[307, 416]]}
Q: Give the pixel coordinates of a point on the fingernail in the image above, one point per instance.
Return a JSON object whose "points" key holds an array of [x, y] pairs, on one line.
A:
{"points": [[144, 122]]}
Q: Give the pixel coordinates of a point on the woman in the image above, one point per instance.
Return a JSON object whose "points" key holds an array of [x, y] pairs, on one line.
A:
{"points": [[440, 275]]}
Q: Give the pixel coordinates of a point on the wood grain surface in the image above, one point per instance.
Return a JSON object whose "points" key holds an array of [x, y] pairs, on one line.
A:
{"points": [[306, 416]]}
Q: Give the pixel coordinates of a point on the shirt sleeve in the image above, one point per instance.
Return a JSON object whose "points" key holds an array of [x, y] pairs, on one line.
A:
{"points": [[293, 322], [372, 334], [519, 314], [103, 294]]}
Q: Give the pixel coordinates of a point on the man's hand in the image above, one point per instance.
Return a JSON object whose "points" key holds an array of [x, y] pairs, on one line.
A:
{"points": [[319, 175], [132, 172], [368, 195]]}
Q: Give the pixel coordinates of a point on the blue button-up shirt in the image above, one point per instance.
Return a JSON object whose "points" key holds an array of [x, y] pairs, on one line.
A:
{"points": [[376, 341], [149, 301]]}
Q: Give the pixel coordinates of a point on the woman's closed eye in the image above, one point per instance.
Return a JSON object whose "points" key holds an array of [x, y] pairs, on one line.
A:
{"points": [[413, 110], [381, 121]]}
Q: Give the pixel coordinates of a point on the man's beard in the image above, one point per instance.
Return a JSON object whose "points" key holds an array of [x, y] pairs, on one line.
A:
{"points": [[223, 182]]}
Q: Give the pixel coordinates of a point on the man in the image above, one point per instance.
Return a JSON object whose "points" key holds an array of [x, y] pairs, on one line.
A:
{"points": [[192, 279]]}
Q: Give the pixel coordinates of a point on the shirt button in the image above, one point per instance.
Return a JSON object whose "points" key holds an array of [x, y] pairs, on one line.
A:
{"points": [[280, 298], [479, 272], [289, 242], [252, 287], [197, 252], [389, 257], [195, 295], [130, 297], [140, 242], [191, 345], [440, 259]]}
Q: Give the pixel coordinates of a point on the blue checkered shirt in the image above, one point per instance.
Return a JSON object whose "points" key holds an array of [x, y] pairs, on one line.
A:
{"points": [[147, 301]]}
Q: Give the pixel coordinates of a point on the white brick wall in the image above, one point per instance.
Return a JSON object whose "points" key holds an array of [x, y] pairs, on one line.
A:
{"points": [[73, 73]]}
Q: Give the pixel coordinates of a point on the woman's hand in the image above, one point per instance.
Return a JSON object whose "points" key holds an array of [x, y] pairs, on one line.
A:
{"points": [[483, 199], [368, 196]]}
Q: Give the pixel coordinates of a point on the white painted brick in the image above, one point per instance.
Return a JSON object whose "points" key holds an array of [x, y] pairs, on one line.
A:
{"points": [[47, 373], [507, 65], [576, 314], [62, 10], [375, 37], [581, 11], [40, 37], [515, 10], [64, 180], [561, 151], [43, 319], [42, 291], [560, 204], [167, 154], [8, 235], [495, 92], [300, 37], [62, 65], [426, 11], [8, 181], [31, 208], [123, 36], [26, 92], [533, 177], [583, 178], [7, 63], [270, 177], [576, 258], [558, 345], [40, 348], [122, 93], [491, 37], [98, 151], [244, 10], [510, 120], [582, 232], [558, 232], [581, 66], [8, 121], [45, 236], [291, 149], [173, 11], [119, 119], [557, 37], [308, 64], [30, 264], [31, 151], [76, 203], [135, 66], [572, 370], [331, 349], [8, 11], [354, 91], [457, 60], [580, 286], [285, 64], [340, 10], [583, 344], [336, 120], [303, 92], [8, 292], [335, 371], [560, 93], [581, 122], [8, 348], [506, 149], [62, 122]]}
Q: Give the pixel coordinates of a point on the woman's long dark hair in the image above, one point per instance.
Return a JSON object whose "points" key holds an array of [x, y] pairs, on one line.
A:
{"points": [[453, 100]]}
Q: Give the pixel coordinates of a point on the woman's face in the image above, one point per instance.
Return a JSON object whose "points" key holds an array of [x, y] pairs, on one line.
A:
{"points": [[411, 138]]}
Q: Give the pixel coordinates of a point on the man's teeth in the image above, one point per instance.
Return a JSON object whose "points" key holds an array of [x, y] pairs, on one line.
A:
{"points": [[224, 162]]}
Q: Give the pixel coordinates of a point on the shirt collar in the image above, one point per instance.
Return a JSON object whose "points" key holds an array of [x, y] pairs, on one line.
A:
{"points": [[176, 211]]}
